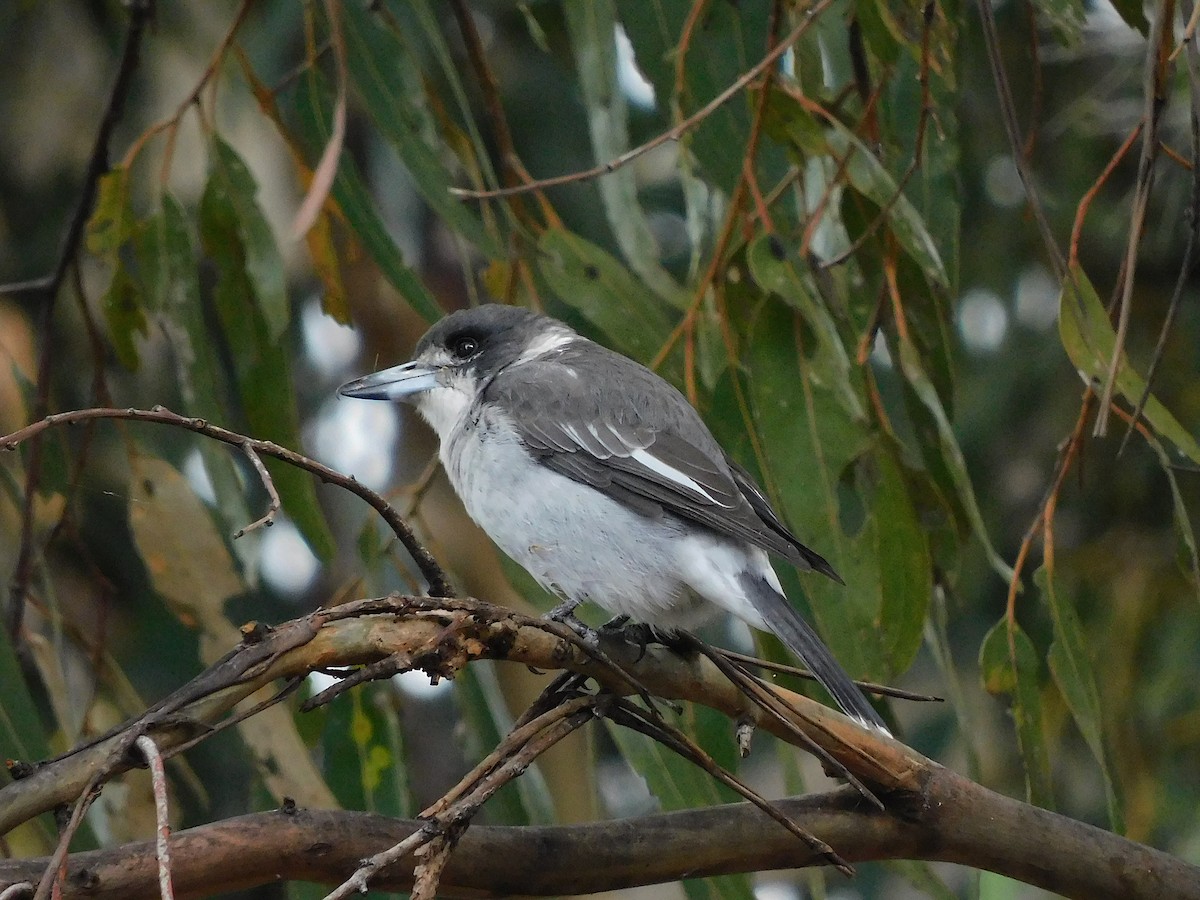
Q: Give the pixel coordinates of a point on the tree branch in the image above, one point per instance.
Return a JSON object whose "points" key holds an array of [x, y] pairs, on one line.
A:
{"points": [[933, 813], [1003, 835], [439, 585]]}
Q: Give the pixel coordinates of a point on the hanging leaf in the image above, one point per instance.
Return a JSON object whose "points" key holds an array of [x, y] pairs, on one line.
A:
{"points": [[312, 104], [592, 27], [1009, 666], [262, 364], [390, 81], [598, 287], [1089, 339], [1072, 671], [232, 186]]}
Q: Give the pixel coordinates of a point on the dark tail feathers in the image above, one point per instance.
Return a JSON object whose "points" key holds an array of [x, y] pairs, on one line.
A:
{"points": [[799, 637]]}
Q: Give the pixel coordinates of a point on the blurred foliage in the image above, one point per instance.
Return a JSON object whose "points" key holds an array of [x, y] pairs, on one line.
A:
{"points": [[836, 263]]}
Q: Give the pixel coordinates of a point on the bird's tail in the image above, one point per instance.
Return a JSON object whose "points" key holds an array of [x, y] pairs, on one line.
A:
{"points": [[799, 637]]}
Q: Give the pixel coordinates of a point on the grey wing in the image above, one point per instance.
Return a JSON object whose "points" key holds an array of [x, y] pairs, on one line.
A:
{"points": [[651, 451], [762, 507]]}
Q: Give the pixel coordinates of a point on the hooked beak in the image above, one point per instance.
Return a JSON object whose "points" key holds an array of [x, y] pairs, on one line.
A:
{"points": [[397, 383]]}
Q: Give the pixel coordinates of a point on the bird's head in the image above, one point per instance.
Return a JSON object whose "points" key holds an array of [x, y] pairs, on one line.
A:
{"points": [[458, 357]]}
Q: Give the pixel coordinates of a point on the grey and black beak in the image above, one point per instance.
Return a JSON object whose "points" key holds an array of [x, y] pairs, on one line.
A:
{"points": [[397, 383]]}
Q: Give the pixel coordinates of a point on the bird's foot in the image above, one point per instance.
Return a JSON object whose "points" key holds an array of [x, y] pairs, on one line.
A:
{"points": [[642, 635]]}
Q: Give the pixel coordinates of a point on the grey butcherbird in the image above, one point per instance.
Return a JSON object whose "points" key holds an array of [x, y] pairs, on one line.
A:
{"points": [[601, 480]]}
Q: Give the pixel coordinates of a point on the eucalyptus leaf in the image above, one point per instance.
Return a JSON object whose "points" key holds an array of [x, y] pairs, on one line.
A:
{"points": [[312, 106], [1089, 339], [231, 184], [1010, 667], [1072, 671]]}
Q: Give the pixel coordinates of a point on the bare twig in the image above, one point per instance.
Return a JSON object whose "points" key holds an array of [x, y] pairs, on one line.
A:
{"points": [[785, 713], [1008, 113], [671, 134], [267, 519], [883, 690], [930, 12], [631, 716], [446, 819], [1192, 61], [162, 834], [171, 123], [438, 584], [1155, 100]]}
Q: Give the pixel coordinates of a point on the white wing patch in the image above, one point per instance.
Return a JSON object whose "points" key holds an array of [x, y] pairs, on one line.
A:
{"points": [[656, 465], [546, 343]]}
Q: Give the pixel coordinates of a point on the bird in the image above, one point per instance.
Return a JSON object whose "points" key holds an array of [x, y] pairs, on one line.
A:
{"points": [[600, 479]]}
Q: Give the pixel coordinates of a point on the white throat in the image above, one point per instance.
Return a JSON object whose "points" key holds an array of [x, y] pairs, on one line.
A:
{"points": [[445, 406]]}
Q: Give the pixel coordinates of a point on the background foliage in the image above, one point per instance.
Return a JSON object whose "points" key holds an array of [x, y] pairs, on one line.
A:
{"points": [[838, 264]]}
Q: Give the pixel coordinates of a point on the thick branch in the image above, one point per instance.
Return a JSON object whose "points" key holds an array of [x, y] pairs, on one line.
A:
{"points": [[962, 823], [932, 814]]}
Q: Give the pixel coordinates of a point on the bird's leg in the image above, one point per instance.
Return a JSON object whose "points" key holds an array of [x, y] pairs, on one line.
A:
{"points": [[565, 613]]}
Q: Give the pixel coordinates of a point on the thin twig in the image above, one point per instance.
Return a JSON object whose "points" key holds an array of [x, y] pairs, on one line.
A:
{"points": [[1192, 61], [918, 145], [671, 134], [267, 519], [1008, 114], [162, 833], [1085, 203], [784, 713], [439, 586], [1155, 102], [171, 123], [450, 815], [883, 690], [625, 713]]}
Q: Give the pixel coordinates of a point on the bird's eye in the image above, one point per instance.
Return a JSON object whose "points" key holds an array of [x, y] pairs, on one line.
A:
{"points": [[464, 346]]}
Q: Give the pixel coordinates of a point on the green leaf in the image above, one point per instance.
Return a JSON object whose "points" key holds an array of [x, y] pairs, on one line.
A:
{"points": [[313, 111], [21, 731], [1009, 666], [602, 290], [364, 759], [525, 801], [167, 260], [1134, 14], [384, 71], [680, 784], [261, 362], [774, 271], [1065, 17], [22, 735], [592, 28], [260, 257], [124, 315], [111, 226], [112, 221], [1089, 339], [726, 42], [1071, 667], [841, 488], [1182, 518], [869, 177], [951, 454]]}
